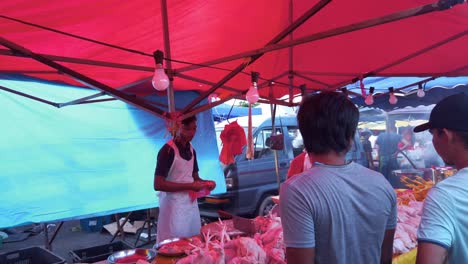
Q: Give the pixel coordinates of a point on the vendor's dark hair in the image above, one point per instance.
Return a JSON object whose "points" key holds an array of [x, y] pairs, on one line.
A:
{"points": [[189, 120], [327, 122]]}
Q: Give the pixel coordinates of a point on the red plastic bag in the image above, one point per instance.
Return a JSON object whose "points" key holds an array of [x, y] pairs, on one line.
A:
{"points": [[233, 138]]}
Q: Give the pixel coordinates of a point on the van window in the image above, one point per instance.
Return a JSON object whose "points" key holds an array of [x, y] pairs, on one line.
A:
{"points": [[262, 142], [296, 140]]}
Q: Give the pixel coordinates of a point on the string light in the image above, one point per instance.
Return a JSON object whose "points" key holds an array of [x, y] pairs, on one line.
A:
{"points": [[252, 95], [213, 98], [392, 99], [160, 80], [370, 97], [420, 92]]}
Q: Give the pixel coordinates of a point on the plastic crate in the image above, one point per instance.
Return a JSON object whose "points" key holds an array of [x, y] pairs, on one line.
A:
{"points": [[97, 253], [94, 224], [31, 255]]}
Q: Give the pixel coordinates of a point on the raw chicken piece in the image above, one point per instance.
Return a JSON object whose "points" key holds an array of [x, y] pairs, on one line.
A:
{"points": [[399, 247], [244, 250], [410, 230], [212, 252], [418, 206], [404, 237]]}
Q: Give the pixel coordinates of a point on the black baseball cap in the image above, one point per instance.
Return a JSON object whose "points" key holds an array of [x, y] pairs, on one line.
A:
{"points": [[450, 113]]}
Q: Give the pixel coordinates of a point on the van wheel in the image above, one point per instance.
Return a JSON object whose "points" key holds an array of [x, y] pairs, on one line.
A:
{"points": [[266, 206]]}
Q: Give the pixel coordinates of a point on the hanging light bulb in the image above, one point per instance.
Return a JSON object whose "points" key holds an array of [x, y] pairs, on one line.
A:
{"points": [[370, 97], [160, 80], [392, 99], [213, 98], [252, 95], [420, 92]]}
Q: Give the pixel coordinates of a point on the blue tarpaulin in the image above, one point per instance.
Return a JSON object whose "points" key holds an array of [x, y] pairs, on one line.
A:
{"points": [[84, 160]]}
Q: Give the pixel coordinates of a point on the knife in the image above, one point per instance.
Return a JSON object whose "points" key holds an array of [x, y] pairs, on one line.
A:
{"points": [[241, 223]]}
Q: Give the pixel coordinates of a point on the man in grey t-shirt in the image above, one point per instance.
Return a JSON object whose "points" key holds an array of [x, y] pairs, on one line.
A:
{"points": [[336, 212]]}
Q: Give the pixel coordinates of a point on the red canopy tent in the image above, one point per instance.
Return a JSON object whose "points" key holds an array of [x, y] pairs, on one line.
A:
{"points": [[212, 46]]}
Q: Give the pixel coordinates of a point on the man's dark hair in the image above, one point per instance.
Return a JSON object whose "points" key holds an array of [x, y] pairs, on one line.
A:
{"points": [[327, 122], [189, 120]]}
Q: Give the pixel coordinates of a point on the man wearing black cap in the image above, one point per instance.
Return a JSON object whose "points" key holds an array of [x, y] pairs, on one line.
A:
{"points": [[443, 232]]}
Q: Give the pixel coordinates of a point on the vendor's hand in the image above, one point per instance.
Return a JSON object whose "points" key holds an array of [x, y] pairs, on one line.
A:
{"points": [[211, 185], [198, 185]]}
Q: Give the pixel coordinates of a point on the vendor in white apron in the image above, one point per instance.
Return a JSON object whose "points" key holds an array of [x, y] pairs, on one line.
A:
{"points": [[175, 177]]}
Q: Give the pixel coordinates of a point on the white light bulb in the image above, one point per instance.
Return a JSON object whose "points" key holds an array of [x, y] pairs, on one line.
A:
{"points": [[420, 93], [369, 99], [252, 95], [160, 80], [392, 99], [213, 98]]}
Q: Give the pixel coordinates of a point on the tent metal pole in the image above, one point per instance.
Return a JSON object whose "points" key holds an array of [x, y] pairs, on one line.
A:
{"points": [[167, 51], [291, 58], [28, 72], [401, 60], [191, 78], [91, 82], [303, 73], [82, 61], [81, 100], [84, 100], [266, 83], [275, 101], [300, 75], [273, 132], [30, 96], [315, 9], [437, 6], [206, 107]]}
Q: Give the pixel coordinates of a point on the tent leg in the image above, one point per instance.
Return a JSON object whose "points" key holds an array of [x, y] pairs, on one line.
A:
{"points": [[120, 227], [150, 223], [48, 242], [47, 245]]}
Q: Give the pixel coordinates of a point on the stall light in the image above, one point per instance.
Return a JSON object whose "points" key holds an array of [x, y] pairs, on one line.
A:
{"points": [[160, 80], [252, 95], [370, 97], [213, 98], [420, 92], [392, 99]]}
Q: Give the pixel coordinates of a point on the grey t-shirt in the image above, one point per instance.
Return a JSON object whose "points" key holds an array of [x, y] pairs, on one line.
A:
{"points": [[341, 211]]}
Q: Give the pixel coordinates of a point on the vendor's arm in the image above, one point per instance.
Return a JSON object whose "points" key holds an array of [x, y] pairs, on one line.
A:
{"points": [[160, 184], [298, 226], [210, 184], [436, 230]]}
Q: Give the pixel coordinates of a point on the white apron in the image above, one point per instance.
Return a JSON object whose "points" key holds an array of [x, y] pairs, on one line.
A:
{"points": [[178, 215]]}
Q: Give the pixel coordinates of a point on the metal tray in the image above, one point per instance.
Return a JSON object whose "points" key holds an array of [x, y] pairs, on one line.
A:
{"points": [[131, 256], [179, 253]]}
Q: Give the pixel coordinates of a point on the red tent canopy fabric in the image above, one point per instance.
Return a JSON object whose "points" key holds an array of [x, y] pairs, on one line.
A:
{"points": [[112, 42]]}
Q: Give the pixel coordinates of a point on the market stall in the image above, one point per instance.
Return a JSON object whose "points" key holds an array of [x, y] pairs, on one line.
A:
{"points": [[260, 240]]}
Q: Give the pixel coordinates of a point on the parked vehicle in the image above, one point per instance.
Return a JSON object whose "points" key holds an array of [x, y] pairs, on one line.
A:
{"points": [[252, 183]]}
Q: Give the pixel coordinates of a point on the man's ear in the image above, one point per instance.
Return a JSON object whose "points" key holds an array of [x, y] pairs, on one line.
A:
{"points": [[448, 135]]}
